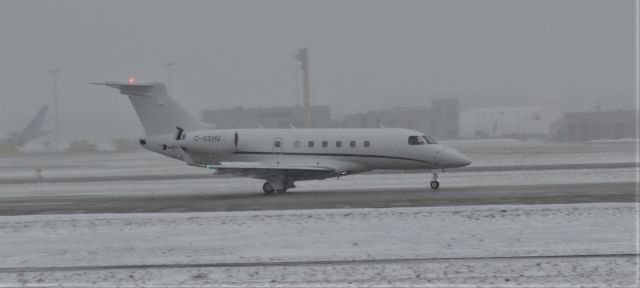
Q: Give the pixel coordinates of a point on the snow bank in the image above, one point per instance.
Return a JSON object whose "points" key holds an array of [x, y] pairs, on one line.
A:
{"points": [[464, 231], [339, 234]]}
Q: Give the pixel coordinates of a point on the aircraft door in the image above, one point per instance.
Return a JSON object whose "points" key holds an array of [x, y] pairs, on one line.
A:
{"points": [[235, 140], [277, 145], [436, 155]]}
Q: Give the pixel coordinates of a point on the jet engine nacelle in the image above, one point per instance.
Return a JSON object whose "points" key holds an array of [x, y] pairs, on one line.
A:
{"points": [[209, 141]]}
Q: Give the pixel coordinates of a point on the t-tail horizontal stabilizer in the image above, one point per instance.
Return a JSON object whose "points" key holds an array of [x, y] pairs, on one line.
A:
{"points": [[158, 112]]}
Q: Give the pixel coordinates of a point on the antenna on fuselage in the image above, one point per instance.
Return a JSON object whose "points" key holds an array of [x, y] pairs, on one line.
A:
{"points": [[292, 127], [382, 126]]}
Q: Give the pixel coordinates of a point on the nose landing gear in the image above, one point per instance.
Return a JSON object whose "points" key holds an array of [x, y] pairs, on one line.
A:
{"points": [[434, 181]]}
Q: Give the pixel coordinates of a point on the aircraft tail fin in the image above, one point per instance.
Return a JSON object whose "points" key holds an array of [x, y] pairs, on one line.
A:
{"points": [[33, 130], [37, 121], [158, 112]]}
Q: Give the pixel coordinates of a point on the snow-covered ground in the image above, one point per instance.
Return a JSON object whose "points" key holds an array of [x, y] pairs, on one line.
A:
{"points": [[333, 235], [617, 272], [497, 152], [471, 232]]}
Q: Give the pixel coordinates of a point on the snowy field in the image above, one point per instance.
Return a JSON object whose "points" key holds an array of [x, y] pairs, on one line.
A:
{"points": [[432, 236], [568, 245]]}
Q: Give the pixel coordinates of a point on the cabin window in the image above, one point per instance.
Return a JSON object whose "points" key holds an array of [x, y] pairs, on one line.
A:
{"points": [[367, 143], [325, 144], [277, 144], [338, 144], [352, 143], [296, 144], [311, 144], [430, 140], [416, 140]]}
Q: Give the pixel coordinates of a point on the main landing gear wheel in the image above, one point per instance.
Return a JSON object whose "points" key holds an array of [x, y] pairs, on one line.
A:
{"points": [[267, 188], [281, 190]]}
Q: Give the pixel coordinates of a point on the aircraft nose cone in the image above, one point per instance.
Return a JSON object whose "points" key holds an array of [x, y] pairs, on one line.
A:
{"points": [[465, 161], [456, 159]]}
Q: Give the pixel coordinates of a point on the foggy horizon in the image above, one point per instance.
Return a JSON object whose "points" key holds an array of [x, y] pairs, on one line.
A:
{"points": [[365, 55]]}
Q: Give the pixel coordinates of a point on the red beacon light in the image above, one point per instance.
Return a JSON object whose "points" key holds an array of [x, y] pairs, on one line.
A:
{"points": [[131, 80]]}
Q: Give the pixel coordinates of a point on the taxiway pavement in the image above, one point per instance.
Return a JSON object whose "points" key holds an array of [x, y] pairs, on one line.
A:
{"points": [[339, 198]]}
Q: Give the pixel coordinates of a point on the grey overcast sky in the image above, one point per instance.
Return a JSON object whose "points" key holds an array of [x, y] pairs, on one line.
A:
{"points": [[365, 54]]}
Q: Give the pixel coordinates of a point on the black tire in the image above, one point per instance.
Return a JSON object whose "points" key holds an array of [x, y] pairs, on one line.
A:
{"points": [[267, 188], [435, 185], [281, 190]]}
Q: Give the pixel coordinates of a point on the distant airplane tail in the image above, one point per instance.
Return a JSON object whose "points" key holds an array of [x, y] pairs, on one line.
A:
{"points": [[157, 111], [33, 129], [38, 120]]}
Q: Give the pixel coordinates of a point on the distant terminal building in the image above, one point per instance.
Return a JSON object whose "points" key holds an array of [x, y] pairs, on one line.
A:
{"points": [[441, 120], [275, 117], [596, 125], [444, 118], [515, 122]]}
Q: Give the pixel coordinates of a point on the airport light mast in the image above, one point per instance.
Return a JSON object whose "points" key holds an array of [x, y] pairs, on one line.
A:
{"points": [[303, 57], [54, 77], [296, 73], [169, 77]]}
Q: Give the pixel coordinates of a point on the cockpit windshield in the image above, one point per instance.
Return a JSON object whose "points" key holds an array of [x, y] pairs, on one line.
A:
{"points": [[416, 140], [430, 140]]}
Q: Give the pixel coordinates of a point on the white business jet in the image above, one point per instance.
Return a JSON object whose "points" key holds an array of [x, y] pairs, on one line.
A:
{"points": [[280, 156]]}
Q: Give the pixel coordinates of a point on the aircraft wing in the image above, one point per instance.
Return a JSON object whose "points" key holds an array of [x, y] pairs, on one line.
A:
{"points": [[262, 171]]}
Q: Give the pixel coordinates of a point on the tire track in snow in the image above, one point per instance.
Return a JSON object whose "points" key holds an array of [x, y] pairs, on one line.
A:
{"points": [[300, 263]]}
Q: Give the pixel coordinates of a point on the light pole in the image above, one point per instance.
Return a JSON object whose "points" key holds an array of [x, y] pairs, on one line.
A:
{"points": [[502, 123], [169, 77], [303, 57], [517, 112], [54, 77], [296, 72]]}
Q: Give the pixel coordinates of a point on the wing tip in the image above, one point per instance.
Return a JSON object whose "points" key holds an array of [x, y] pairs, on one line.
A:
{"points": [[121, 84]]}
